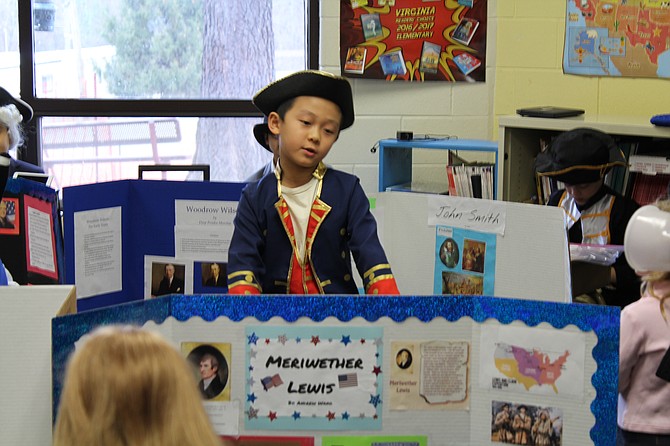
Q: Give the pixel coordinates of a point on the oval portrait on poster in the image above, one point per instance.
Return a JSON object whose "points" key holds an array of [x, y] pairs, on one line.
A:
{"points": [[449, 253]]}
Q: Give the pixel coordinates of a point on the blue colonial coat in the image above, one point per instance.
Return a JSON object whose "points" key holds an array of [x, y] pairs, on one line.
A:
{"points": [[260, 258]]}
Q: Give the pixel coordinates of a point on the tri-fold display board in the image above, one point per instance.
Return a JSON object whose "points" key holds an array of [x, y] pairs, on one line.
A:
{"points": [[31, 242], [134, 239], [387, 370]]}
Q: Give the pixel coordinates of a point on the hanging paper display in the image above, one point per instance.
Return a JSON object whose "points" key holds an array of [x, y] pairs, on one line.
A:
{"points": [[413, 40]]}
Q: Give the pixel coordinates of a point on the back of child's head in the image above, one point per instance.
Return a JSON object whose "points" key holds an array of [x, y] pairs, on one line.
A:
{"points": [[125, 386], [277, 96], [647, 241]]}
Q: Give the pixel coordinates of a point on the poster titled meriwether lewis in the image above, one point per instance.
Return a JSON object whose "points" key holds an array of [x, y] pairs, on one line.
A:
{"points": [[314, 378]]}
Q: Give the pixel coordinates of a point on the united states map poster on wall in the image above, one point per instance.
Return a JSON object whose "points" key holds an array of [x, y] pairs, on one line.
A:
{"points": [[414, 40]]}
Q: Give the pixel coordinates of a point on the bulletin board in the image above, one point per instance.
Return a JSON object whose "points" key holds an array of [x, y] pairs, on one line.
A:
{"points": [[414, 40], [530, 261], [379, 358]]}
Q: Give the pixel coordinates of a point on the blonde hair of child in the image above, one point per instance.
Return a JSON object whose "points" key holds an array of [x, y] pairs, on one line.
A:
{"points": [[128, 386]]}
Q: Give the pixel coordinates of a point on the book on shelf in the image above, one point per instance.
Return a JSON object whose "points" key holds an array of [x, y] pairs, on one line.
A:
{"points": [[545, 187], [472, 180], [617, 178], [647, 189]]}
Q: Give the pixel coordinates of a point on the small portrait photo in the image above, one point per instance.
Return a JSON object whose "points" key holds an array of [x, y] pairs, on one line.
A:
{"points": [[449, 253], [474, 254], [462, 284], [403, 358], [9, 216], [167, 278], [214, 274], [372, 26], [212, 369]]}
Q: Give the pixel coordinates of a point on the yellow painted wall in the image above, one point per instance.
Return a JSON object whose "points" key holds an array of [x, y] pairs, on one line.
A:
{"points": [[529, 56]]}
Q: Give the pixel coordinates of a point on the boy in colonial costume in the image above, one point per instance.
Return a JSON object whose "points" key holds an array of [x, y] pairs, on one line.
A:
{"points": [[295, 232], [594, 213]]}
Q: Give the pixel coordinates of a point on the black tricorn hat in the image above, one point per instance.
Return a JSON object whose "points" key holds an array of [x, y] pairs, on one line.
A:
{"points": [[579, 156], [260, 131], [308, 83], [26, 110]]}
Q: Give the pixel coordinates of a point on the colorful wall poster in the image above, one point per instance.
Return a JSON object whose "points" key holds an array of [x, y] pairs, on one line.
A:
{"points": [[617, 38], [429, 375], [464, 261], [313, 378], [532, 360], [414, 40]]}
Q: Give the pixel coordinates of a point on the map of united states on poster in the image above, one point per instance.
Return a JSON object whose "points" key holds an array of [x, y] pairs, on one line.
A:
{"points": [[617, 38], [529, 367], [519, 360]]}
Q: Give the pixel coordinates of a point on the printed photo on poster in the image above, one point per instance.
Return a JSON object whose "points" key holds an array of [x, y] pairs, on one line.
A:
{"points": [[211, 366], [429, 375], [393, 63], [430, 57], [171, 281], [464, 261], [355, 62], [514, 423], [450, 253], [467, 63], [211, 277], [465, 30], [167, 275], [535, 361], [9, 217], [372, 26]]}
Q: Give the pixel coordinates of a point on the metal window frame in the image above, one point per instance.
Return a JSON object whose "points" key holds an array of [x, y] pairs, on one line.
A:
{"points": [[129, 108]]}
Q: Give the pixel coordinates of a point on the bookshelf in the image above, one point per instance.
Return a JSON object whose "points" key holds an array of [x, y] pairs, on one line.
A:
{"points": [[519, 139], [396, 158]]}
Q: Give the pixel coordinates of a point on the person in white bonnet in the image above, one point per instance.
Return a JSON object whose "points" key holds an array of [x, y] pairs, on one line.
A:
{"points": [[643, 414]]}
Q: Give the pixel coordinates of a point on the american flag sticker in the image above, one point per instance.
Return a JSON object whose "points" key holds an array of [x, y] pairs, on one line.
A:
{"points": [[347, 380], [271, 381]]}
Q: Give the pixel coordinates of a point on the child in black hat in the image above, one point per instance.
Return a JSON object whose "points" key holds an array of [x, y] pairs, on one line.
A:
{"points": [[295, 231], [269, 142], [594, 213]]}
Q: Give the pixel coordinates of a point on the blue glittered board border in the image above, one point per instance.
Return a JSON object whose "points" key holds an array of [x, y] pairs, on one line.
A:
{"points": [[602, 320]]}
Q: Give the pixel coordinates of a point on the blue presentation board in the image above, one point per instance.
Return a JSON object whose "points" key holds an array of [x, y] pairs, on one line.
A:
{"points": [[587, 347], [147, 224]]}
